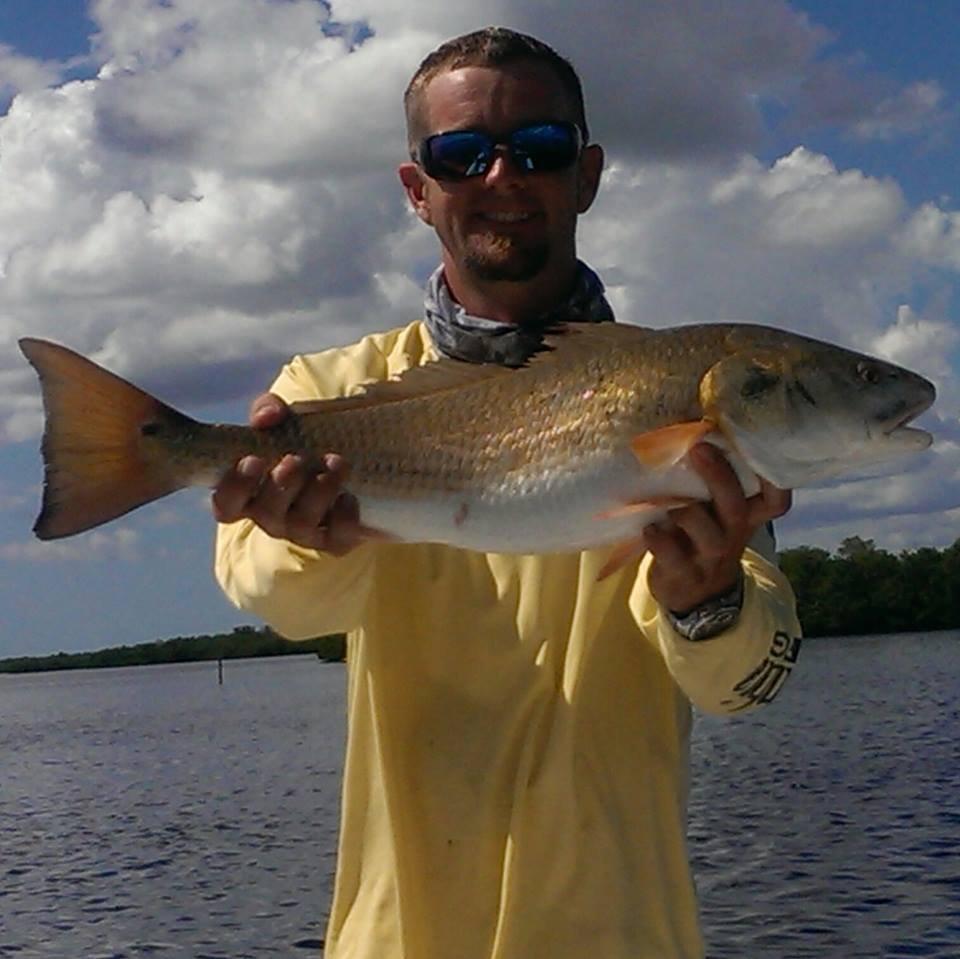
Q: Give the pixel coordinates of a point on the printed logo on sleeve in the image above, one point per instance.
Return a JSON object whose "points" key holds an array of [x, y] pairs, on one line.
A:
{"points": [[763, 684]]}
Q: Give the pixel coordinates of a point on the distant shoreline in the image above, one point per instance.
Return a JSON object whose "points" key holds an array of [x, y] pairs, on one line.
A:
{"points": [[243, 643], [860, 590]]}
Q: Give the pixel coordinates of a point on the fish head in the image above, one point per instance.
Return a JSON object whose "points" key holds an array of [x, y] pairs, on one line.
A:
{"points": [[801, 412]]}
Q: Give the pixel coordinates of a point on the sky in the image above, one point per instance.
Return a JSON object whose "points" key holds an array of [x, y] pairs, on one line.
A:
{"points": [[193, 190]]}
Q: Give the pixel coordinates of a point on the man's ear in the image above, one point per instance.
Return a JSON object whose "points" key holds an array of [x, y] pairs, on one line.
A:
{"points": [[589, 168], [414, 184]]}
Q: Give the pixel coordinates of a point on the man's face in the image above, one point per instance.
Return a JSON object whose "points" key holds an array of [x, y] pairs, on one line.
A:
{"points": [[504, 225]]}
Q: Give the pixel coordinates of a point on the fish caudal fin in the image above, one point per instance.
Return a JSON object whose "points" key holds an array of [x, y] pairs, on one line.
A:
{"points": [[95, 464]]}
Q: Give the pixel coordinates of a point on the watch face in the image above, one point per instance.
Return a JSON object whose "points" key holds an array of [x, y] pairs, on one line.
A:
{"points": [[712, 617], [726, 617], [705, 624]]}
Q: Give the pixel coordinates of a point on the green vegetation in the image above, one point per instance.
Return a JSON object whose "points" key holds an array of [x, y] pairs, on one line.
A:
{"points": [[861, 589], [858, 590], [244, 641]]}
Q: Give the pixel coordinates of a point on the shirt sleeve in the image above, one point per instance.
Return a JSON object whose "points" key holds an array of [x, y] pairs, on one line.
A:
{"points": [[743, 667], [299, 592]]}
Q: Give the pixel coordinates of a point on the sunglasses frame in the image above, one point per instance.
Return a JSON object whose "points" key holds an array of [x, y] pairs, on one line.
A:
{"points": [[485, 155]]}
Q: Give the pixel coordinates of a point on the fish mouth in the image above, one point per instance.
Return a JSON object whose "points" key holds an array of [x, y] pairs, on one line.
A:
{"points": [[895, 424]]}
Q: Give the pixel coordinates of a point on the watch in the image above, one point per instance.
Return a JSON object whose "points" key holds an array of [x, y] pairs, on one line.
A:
{"points": [[711, 617]]}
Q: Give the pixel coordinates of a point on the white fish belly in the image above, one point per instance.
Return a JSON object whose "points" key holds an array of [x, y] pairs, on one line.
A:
{"points": [[556, 512]]}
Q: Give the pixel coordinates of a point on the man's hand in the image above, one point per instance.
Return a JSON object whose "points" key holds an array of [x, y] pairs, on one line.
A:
{"points": [[290, 501], [697, 550]]}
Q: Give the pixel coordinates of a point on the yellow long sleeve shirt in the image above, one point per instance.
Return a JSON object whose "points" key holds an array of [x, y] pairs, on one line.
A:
{"points": [[515, 781]]}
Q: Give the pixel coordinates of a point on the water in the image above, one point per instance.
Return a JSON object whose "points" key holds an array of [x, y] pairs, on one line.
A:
{"points": [[829, 823], [149, 812]]}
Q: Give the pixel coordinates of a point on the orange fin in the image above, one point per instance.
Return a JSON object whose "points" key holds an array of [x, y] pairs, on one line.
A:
{"points": [[668, 445], [647, 505], [95, 469], [622, 554]]}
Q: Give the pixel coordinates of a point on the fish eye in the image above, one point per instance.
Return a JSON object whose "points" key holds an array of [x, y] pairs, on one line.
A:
{"points": [[759, 381], [869, 373]]}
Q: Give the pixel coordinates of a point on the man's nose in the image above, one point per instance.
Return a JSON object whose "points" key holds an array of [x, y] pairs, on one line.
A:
{"points": [[503, 167]]}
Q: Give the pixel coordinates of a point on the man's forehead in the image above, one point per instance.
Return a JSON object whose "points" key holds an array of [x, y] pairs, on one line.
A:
{"points": [[494, 96]]}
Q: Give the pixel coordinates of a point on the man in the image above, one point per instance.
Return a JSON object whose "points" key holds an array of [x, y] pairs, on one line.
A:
{"points": [[516, 772]]}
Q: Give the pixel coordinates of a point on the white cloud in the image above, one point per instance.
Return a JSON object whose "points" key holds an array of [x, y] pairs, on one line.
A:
{"points": [[917, 106], [914, 340], [255, 87], [662, 78], [223, 193], [119, 543], [814, 204], [932, 236], [19, 73], [796, 244]]}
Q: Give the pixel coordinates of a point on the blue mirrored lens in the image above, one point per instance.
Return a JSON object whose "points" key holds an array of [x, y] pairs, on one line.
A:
{"points": [[540, 147], [457, 154], [545, 147]]}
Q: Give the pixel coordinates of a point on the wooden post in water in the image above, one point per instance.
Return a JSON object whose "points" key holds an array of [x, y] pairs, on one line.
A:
{"points": [[220, 671]]}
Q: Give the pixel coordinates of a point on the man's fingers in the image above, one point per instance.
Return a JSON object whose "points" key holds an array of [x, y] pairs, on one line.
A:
{"points": [[316, 498], [704, 529], [337, 531], [698, 549], [726, 493], [668, 544], [236, 489], [732, 509], [270, 507], [343, 525], [772, 501], [293, 501]]}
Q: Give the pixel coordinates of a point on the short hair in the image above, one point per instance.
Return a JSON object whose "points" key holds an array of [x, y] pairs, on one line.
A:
{"points": [[490, 47]]}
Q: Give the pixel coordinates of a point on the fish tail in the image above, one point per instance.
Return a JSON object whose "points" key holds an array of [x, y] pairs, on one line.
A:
{"points": [[96, 466]]}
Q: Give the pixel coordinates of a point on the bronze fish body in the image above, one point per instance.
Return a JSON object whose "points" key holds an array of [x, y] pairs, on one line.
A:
{"points": [[582, 447]]}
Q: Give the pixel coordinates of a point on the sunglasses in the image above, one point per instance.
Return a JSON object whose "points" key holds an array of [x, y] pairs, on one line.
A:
{"points": [[537, 148]]}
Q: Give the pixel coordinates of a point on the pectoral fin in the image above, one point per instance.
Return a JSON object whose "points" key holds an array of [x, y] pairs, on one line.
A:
{"points": [[668, 445], [622, 554], [648, 505]]}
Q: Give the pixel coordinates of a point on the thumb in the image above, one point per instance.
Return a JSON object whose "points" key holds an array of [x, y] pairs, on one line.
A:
{"points": [[268, 410]]}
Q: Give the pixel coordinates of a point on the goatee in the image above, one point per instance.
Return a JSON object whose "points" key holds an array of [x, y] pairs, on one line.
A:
{"points": [[500, 259]]}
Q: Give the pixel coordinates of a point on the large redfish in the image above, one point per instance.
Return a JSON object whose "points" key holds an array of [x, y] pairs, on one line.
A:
{"points": [[582, 447]]}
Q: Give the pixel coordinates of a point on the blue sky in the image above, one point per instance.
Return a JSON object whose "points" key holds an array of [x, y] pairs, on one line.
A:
{"points": [[208, 188], [902, 42], [48, 29]]}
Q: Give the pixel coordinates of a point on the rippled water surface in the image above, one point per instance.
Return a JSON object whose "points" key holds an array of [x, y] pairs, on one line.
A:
{"points": [[828, 824], [151, 812]]}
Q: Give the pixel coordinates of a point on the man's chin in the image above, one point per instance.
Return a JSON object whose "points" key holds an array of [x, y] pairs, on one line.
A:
{"points": [[513, 266]]}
